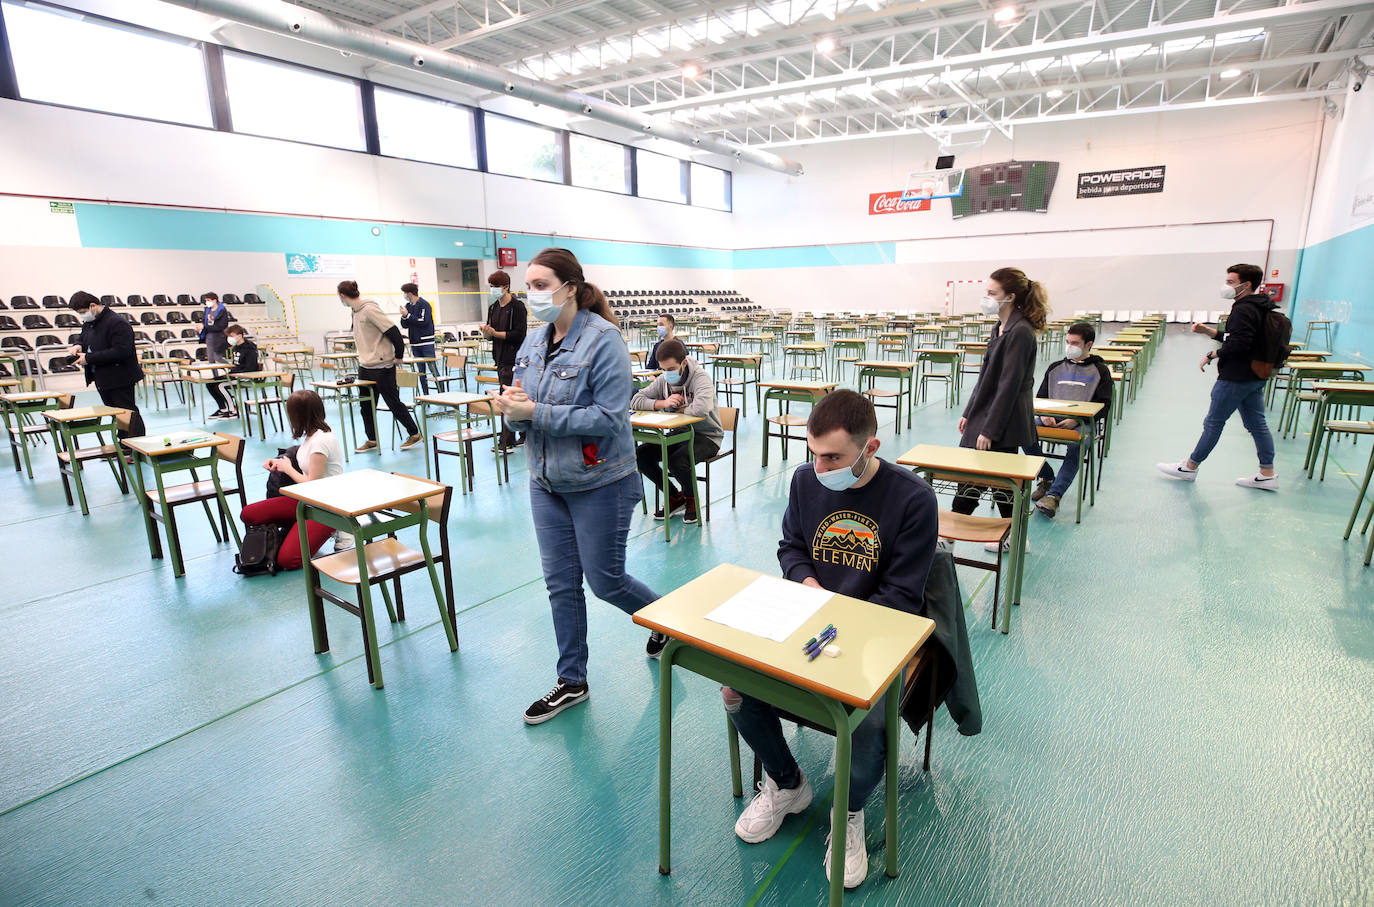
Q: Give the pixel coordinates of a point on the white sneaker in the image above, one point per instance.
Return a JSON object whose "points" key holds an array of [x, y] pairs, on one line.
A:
{"points": [[343, 541], [1179, 471], [855, 851], [1005, 546], [1262, 482], [763, 816]]}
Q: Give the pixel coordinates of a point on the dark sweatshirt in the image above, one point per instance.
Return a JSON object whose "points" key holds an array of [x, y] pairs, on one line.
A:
{"points": [[1088, 381], [512, 319], [1240, 342], [245, 358], [874, 543]]}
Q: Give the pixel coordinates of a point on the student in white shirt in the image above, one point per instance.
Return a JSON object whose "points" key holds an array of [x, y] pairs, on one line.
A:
{"points": [[320, 456]]}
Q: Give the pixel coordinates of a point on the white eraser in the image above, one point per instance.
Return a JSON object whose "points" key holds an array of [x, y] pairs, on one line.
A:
{"points": [[832, 650]]}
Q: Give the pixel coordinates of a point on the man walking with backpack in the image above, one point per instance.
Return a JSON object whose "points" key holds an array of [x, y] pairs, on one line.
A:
{"points": [[1254, 343]]}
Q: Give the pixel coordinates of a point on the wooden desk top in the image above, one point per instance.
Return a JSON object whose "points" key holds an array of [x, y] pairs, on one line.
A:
{"points": [[1301, 355], [979, 462], [826, 386], [160, 360], [758, 337], [338, 357], [182, 442], [813, 347], [205, 366], [1127, 352], [893, 364], [1358, 387], [31, 396], [661, 421], [362, 491], [291, 350], [256, 375], [340, 385], [453, 398], [971, 344], [938, 352], [419, 360], [877, 642], [755, 358], [1314, 367], [82, 413], [1078, 408]]}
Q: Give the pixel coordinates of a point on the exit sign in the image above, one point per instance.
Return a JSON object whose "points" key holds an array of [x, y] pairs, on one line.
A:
{"points": [[61, 208]]}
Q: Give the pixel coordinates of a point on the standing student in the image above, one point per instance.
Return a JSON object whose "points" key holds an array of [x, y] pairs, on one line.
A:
{"points": [[418, 321], [214, 321], [1080, 375], [571, 393], [1000, 413], [684, 387], [667, 330], [506, 325], [108, 356], [380, 347], [1237, 387], [320, 456], [893, 515], [244, 354]]}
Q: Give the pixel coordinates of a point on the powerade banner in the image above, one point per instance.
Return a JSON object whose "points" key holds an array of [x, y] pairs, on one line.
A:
{"points": [[1136, 181]]}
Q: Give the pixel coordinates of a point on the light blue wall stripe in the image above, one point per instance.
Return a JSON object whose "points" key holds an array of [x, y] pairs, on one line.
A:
{"points": [[879, 253], [621, 254], [1333, 283]]}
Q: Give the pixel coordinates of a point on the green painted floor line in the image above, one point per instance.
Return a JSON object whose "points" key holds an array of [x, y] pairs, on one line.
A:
{"points": [[808, 825]]}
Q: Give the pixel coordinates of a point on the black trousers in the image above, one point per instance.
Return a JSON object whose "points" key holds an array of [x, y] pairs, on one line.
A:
{"points": [[387, 390], [650, 457], [967, 497], [216, 389], [125, 397], [505, 371]]}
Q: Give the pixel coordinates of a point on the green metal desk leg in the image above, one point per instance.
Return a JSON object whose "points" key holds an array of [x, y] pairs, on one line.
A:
{"points": [[691, 443], [1359, 498], [1018, 547], [732, 736], [318, 630], [364, 601], [1314, 444], [136, 476], [69, 445], [840, 803], [439, 595], [893, 695], [665, 756], [173, 542], [223, 502], [424, 436], [667, 489]]}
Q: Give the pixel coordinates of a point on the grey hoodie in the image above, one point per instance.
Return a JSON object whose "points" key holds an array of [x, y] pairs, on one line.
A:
{"points": [[698, 389]]}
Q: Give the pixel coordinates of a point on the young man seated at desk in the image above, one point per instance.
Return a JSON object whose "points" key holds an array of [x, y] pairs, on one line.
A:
{"points": [[1080, 375], [243, 353], [857, 526], [684, 388]]}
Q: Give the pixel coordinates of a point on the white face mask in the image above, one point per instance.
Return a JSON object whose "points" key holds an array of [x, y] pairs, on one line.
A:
{"points": [[88, 316], [663, 330], [235, 341], [989, 306], [844, 478], [497, 292], [1073, 352], [542, 305], [1228, 291]]}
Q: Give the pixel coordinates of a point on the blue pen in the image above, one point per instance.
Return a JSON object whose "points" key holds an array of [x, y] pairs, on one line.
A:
{"points": [[824, 640], [812, 641]]}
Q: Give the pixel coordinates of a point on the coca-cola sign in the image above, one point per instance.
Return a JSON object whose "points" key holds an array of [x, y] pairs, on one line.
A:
{"points": [[891, 203]]}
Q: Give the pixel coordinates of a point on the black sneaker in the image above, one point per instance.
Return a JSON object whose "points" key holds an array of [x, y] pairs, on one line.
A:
{"points": [[654, 647], [675, 503], [562, 696]]}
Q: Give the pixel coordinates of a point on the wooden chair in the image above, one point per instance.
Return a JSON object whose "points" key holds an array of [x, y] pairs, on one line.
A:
{"points": [[404, 379], [69, 462], [284, 386], [453, 362], [729, 420], [1054, 437], [921, 673], [961, 527], [389, 559], [202, 491], [473, 426], [25, 428]]}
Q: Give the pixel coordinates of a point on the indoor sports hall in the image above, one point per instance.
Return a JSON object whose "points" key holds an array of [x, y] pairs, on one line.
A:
{"points": [[1139, 232]]}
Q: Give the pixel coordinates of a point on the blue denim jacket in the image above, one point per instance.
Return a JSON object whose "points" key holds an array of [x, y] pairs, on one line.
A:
{"points": [[579, 437]]}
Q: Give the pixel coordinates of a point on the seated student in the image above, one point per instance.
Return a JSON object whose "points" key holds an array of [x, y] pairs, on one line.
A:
{"points": [[667, 330], [320, 456], [1080, 375], [684, 387], [861, 527], [243, 353]]}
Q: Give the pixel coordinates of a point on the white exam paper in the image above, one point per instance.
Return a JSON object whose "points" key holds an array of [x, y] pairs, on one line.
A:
{"points": [[654, 418], [770, 607]]}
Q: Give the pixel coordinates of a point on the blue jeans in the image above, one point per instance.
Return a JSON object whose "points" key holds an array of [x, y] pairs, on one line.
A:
{"points": [[758, 723], [1227, 397], [583, 532], [1068, 471], [422, 350]]}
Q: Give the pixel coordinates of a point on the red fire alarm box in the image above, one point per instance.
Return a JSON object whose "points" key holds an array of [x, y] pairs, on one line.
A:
{"points": [[1273, 290], [505, 258]]}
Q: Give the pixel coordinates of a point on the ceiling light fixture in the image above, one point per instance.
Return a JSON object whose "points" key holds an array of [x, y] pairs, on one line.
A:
{"points": [[825, 45], [691, 70], [1230, 73], [803, 120], [1005, 14], [1055, 93]]}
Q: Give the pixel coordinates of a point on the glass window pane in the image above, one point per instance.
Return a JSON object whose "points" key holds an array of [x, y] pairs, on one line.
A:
{"points": [[598, 165], [425, 129], [710, 187], [660, 176], [523, 149], [62, 58], [287, 102]]}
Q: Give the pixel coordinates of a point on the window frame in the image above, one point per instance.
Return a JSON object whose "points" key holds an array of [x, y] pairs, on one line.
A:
{"points": [[478, 132], [227, 52], [560, 142]]}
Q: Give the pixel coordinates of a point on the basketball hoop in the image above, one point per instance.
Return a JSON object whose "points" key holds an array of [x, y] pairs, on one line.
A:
{"points": [[925, 185]]}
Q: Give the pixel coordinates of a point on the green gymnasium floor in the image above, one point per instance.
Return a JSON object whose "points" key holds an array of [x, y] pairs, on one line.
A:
{"points": [[1181, 714]]}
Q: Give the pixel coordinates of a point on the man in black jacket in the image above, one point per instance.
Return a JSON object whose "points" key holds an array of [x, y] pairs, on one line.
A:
{"points": [[107, 354], [1237, 387]]}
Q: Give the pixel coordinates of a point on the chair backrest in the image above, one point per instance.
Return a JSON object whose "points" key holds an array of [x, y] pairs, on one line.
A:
{"points": [[484, 407], [233, 451], [66, 401], [407, 379], [438, 502], [455, 360], [729, 418], [288, 382]]}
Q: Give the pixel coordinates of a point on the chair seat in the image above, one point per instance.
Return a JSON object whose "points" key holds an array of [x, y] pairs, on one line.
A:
{"points": [[187, 493], [1047, 433], [29, 430], [266, 401], [729, 381], [787, 419], [880, 392], [967, 528], [384, 557], [488, 379], [90, 453], [462, 437]]}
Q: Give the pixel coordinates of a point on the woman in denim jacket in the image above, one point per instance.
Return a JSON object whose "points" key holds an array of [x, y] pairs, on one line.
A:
{"points": [[572, 396]]}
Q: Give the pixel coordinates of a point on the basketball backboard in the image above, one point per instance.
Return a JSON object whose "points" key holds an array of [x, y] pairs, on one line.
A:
{"points": [[923, 185]]}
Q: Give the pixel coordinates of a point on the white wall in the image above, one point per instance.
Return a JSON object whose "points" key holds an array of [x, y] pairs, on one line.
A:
{"points": [[1228, 165]]}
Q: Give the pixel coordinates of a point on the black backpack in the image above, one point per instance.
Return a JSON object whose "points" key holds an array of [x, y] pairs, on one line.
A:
{"points": [[1273, 343], [277, 480], [258, 553]]}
